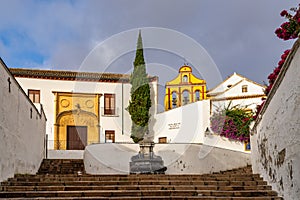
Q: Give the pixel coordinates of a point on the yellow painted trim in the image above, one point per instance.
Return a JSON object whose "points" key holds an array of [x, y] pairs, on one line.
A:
{"points": [[76, 109], [177, 85], [245, 146]]}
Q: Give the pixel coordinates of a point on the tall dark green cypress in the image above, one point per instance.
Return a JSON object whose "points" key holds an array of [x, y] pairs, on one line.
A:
{"points": [[140, 102]]}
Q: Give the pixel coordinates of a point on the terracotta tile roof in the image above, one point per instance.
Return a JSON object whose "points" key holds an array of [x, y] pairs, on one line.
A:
{"points": [[72, 75]]}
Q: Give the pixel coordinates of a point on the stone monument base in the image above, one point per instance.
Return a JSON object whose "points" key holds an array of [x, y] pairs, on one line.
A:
{"points": [[146, 162]]}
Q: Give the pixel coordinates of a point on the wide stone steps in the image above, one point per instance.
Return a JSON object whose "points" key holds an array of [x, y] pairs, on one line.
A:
{"points": [[61, 166], [134, 187], [161, 182], [152, 198], [134, 193], [239, 184], [136, 178]]}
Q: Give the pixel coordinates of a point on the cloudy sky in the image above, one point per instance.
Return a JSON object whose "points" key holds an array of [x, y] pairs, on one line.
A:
{"points": [[238, 35]]}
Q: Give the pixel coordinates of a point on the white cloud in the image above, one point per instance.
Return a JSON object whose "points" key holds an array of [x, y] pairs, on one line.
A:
{"points": [[238, 34]]}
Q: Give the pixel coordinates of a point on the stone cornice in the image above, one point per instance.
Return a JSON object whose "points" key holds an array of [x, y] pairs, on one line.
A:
{"points": [[238, 97]]}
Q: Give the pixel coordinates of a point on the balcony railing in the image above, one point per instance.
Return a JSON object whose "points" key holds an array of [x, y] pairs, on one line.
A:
{"points": [[62, 144], [69, 144]]}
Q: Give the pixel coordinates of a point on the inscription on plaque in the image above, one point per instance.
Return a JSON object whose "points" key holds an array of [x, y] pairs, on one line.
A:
{"points": [[174, 125]]}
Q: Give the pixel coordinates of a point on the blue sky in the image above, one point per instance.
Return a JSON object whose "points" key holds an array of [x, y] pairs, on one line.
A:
{"points": [[59, 34]]}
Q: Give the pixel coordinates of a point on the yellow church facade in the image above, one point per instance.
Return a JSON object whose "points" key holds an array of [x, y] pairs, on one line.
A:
{"points": [[184, 89]]}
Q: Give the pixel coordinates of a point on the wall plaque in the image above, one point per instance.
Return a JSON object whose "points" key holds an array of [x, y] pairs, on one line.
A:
{"points": [[174, 125]]}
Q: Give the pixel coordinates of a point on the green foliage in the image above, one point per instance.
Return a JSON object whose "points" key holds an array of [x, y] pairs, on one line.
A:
{"points": [[140, 102], [232, 122]]}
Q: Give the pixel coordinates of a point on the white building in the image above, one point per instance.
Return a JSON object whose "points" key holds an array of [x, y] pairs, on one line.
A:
{"points": [[237, 90], [81, 107], [84, 108]]}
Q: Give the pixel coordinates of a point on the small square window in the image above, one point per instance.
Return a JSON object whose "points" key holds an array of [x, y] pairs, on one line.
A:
{"points": [[244, 88], [110, 136], [162, 140]]}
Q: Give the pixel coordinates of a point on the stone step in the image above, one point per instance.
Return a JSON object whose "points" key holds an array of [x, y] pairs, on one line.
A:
{"points": [[59, 179], [133, 187], [133, 193], [144, 182], [61, 166], [153, 198], [142, 177], [85, 178]]}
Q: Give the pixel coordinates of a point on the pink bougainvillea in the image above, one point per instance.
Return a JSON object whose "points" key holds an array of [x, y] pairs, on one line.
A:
{"points": [[273, 76], [287, 30], [232, 123], [291, 28]]}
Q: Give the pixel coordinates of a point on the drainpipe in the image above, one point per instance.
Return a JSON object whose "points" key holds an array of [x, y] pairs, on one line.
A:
{"points": [[122, 108]]}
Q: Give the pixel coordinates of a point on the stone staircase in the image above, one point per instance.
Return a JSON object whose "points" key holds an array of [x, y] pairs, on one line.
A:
{"points": [[65, 179], [62, 166]]}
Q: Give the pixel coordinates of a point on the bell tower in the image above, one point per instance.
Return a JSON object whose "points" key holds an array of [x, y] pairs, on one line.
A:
{"points": [[184, 89]]}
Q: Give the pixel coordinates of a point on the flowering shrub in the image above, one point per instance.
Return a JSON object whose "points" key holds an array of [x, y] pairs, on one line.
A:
{"points": [[287, 30], [272, 77], [232, 123], [258, 109], [291, 29]]}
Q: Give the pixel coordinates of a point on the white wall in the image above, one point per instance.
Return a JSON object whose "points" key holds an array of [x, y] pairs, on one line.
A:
{"points": [[233, 79], [178, 158], [62, 154], [276, 139], [238, 97], [250, 103], [22, 136], [225, 143], [185, 124], [252, 89], [121, 123]]}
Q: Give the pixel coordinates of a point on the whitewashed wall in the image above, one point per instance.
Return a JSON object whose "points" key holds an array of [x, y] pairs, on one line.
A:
{"points": [[178, 158], [229, 81], [234, 92], [250, 103], [121, 122], [276, 139], [185, 124], [224, 143], [21, 136]]}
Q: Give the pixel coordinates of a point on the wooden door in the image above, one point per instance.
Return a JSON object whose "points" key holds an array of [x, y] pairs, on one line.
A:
{"points": [[76, 137]]}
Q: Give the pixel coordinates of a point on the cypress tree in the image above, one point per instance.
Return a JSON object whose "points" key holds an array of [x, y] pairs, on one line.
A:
{"points": [[140, 102]]}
